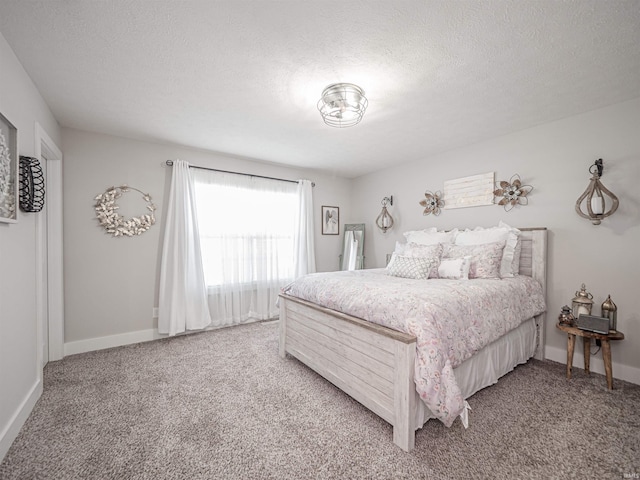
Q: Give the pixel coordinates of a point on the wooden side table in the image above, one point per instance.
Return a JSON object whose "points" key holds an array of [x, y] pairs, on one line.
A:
{"points": [[586, 337]]}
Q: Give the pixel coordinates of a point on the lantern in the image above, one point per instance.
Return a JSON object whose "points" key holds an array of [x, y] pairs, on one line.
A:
{"points": [[582, 303], [610, 311]]}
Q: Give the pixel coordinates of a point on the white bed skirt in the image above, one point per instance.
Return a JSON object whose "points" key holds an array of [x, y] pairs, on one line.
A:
{"points": [[491, 363]]}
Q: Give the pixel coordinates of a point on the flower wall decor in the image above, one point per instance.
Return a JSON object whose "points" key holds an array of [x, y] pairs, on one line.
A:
{"points": [[512, 193], [114, 223], [432, 203]]}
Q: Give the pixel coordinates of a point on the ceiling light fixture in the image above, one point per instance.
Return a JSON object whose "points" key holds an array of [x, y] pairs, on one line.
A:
{"points": [[342, 105]]}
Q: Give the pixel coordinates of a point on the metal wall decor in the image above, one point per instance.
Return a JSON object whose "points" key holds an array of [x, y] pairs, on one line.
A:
{"points": [[512, 193], [32, 184], [106, 211], [596, 206], [432, 203]]}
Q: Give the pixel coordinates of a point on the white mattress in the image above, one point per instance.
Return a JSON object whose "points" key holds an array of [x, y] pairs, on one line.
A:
{"points": [[491, 363]]}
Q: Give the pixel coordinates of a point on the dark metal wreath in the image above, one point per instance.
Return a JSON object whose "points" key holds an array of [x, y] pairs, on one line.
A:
{"points": [[31, 185]]}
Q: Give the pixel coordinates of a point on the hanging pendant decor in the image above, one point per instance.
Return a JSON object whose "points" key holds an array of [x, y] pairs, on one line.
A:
{"points": [[106, 211], [432, 203], [512, 193]]}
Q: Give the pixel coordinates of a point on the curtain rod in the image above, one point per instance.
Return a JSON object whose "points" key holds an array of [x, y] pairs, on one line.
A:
{"points": [[170, 163]]}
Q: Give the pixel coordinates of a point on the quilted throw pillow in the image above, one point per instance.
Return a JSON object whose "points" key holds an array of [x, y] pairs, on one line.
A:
{"points": [[430, 252], [485, 259], [417, 268]]}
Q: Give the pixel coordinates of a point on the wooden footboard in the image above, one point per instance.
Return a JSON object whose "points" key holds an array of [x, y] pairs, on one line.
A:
{"points": [[371, 363]]}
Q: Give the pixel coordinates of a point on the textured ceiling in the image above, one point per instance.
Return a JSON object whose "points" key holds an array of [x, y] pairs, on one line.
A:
{"points": [[243, 77]]}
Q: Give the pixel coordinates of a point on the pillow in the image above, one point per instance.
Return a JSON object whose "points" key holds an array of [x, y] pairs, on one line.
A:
{"points": [[430, 236], [409, 267], [455, 268], [485, 259], [430, 252], [503, 233], [400, 248], [515, 263]]}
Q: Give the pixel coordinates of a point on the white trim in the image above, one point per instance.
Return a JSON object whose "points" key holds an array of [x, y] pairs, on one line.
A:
{"points": [[51, 288], [129, 338], [621, 372], [9, 434], [100, 343]]}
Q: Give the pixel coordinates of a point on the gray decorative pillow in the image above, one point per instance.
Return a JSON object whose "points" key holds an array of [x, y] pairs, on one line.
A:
{"points": [[410, 267]]}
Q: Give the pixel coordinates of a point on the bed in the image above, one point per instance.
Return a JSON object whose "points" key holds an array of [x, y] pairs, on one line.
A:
{"points": [[377, 365]]}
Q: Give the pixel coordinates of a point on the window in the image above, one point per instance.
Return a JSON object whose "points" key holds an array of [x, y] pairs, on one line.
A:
{"points": [[246, 229]]}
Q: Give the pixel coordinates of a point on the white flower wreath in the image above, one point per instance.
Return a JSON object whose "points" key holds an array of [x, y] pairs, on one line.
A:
{"points": [[106, 211]]}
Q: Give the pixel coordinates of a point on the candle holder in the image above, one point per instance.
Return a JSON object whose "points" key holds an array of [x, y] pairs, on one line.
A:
{"points": [[582, 303], [385, 220]]}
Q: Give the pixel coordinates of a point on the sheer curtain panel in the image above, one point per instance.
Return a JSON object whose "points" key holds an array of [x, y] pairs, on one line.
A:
{"points": [[183, 295], [304, 250], [247, 235]]}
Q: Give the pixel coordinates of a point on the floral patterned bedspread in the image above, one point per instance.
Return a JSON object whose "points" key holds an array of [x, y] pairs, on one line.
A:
{"points": [[451, 319]]}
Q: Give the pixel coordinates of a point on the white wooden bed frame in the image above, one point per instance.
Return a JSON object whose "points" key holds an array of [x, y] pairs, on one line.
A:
{"points": [[374, 364]]}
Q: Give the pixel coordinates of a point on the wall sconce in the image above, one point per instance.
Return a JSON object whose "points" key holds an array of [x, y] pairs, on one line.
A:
{"points": [[385, 220], [595, 197]]}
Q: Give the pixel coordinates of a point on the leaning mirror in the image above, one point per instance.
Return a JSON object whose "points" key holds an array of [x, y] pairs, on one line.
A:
{"points": [[352, 256]]}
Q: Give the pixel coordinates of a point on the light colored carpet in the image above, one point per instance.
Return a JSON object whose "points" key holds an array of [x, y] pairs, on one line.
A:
{"points": [[223, 405]]}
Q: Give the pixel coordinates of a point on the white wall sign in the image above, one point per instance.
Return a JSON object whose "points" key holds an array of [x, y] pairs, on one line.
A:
{"points": [[469, 191]]}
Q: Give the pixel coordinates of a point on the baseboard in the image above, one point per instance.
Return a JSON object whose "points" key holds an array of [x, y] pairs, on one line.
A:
{"points": [[100, 343], [11, 430], [622, 372]]}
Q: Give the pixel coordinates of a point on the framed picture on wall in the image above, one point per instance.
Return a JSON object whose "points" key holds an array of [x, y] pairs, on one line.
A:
{"points": [[330, 220], [8, 171]]}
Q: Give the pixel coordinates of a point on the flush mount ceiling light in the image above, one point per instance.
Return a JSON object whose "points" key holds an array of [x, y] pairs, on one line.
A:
{"points": [[342, 105]]}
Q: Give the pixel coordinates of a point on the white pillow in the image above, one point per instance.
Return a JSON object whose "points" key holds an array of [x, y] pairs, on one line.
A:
{"points": [[417, 268], [400, 247], [430, 236], [515, 264], [503, 233], [455, 268]]}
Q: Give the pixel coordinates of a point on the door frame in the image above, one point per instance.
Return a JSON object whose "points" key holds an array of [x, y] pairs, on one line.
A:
{"points": [[50, 287]]}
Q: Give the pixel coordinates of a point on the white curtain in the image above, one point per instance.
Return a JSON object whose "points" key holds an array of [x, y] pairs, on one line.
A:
{"points": [[304, 250], [183, 299], [247, 237]]}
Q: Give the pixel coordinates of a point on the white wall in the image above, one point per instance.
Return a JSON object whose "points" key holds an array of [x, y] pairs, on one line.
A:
{"points": [[554, 158], [20, 372], [111, 284]]}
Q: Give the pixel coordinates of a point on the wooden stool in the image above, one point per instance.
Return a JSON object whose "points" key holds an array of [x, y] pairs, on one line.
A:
{"points": [[586, 337]]}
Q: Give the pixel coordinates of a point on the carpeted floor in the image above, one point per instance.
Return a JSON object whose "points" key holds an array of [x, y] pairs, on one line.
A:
{"points": [[223, 405]]}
